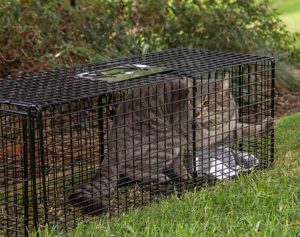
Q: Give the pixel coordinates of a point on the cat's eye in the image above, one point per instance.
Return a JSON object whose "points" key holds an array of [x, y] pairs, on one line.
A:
{"points": [[206, 103]]}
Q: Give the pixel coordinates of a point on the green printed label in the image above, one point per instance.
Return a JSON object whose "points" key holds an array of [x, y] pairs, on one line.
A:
{"points": [[122, 73]]}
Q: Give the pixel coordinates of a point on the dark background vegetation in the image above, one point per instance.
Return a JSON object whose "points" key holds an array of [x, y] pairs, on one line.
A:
{"points": [[38, 34]]}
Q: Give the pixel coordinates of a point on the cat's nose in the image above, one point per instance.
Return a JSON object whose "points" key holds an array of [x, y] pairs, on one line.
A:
{"points": [[197, 113]]}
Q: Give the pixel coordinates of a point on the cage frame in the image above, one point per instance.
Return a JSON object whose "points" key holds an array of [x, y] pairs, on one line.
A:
{"points": [[31, 115]]}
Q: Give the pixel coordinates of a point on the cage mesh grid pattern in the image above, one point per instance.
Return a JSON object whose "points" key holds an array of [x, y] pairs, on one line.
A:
{"points": [[58, 130], [61, 85]]}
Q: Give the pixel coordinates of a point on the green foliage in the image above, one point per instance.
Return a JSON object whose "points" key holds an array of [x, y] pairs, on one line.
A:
{"points": [[240, 26], [53, 33]]}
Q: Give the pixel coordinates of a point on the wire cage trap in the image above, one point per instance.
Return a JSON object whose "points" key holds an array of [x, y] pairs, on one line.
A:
{"points": [[97, 139]]}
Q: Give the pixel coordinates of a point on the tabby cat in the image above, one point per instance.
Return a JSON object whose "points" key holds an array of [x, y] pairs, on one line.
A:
{"points": [[153, 127]]}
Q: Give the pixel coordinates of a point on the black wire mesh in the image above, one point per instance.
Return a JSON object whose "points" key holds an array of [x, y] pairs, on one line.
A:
{"points": [[76, 142]]}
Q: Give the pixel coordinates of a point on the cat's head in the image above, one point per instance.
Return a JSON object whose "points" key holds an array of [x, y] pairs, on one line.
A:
{"points": [[213, 100]]}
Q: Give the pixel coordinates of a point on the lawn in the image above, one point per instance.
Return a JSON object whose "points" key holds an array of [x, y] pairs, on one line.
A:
{"points": [[264, 203], [289, 11]]}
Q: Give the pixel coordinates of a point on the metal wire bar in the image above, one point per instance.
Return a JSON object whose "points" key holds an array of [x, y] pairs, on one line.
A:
{"points": [[74, 145]]}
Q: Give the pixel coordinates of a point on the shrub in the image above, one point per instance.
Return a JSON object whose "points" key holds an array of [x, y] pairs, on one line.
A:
{"points": [[39, 34]]}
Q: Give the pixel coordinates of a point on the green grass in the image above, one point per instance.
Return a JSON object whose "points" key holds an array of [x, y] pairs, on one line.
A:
{"points": [[286, 6], [264, 203], [289, 11]]}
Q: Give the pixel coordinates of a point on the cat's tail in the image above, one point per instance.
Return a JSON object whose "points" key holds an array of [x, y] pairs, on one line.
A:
{"points": [[92, 196], [88, 198]]}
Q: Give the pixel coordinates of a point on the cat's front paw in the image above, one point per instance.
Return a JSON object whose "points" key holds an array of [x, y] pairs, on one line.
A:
{"points": [[268, 125], [186, 177]]}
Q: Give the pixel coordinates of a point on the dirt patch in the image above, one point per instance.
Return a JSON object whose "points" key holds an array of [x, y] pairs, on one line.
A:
{"points": [[15, 61], [286, 103]]}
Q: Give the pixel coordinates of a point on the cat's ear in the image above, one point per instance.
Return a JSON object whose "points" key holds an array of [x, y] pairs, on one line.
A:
{"points": [[223, 85], [226, 82], [188, 81]]}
